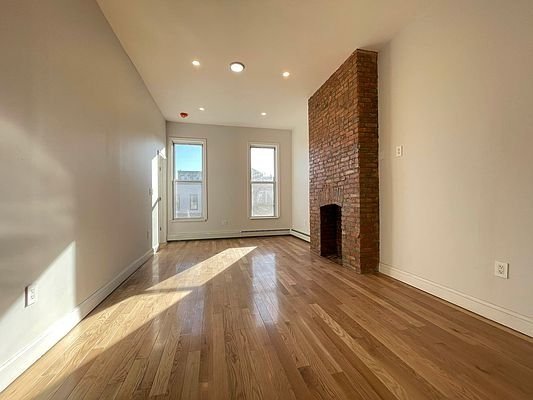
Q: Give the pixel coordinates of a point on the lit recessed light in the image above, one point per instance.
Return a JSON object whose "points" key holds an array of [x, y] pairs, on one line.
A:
{"points": [[286, 74], [201, 109], [236, 66], [196, 63], [263, 114]]}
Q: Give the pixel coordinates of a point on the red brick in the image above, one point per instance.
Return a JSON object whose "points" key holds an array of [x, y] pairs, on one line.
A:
{"points": [[343, 156]]}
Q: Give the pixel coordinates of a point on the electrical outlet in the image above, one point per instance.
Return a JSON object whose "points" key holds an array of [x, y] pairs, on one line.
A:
{"points": [[30, 294], [501, 270], [399, 151]]}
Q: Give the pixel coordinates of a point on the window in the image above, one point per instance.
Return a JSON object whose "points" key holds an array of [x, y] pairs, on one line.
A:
{"points": [[193, 202], [188, 179], [263, 181]]}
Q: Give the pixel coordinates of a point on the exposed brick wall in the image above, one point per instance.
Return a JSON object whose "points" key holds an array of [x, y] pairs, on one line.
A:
{"points": [[343, 157]]}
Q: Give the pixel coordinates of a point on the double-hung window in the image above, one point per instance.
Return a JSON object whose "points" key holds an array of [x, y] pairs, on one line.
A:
{"points": [[263, 174], [188, 179]]}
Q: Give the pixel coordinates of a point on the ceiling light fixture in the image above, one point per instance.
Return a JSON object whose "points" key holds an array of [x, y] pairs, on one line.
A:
{"points": [[201, 109], [236, 66], [196, 63], [263, 114], [286, 74]]}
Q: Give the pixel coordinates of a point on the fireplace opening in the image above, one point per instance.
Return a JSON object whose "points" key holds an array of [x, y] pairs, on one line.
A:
{"points": [[331, 232]]}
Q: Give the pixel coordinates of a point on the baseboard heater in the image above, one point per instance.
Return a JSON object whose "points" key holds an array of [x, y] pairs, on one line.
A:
{"points": [[266, 230], [230, 234]]}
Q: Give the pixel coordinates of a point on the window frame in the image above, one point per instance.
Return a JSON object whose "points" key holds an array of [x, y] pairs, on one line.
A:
{"points": [[275, 183], [172, 187]]}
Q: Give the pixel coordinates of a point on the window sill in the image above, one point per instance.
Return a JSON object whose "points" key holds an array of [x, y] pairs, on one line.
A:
{"points": [[274, 217]]}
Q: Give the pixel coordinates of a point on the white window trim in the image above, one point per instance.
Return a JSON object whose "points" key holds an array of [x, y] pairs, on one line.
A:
{"points": [[171, 142], [276, 183]]}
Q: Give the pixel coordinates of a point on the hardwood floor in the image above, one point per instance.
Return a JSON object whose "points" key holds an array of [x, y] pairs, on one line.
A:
{"points": [[263, 318]]}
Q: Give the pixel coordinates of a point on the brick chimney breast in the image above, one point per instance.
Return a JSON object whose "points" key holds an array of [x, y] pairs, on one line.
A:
{"points": [[343, 170]]}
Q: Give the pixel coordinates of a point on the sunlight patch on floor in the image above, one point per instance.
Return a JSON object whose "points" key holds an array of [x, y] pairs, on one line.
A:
{"points": [[202, 272], [163, 296], [174, 289]]}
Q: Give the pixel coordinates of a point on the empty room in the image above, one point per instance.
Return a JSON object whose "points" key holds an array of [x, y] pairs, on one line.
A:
{"points": [[266, 199]]}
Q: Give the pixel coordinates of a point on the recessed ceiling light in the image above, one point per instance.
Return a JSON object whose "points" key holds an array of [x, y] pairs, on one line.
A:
{"points": [[263, 114], [196, 63], [201, 109], [236, 66], [286, 74]]}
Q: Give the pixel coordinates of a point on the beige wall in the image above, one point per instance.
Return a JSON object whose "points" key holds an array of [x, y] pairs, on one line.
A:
{"points": [[78, 131], [456, 90], [227, 166], [300, 175]]}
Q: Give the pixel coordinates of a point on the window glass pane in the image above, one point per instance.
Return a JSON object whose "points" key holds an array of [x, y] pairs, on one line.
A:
{"points": [[263, 204], [193, 202], [262, 162], [188, 162], [187, 199]]}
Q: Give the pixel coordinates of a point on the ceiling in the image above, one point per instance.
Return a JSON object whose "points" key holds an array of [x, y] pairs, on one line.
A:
{"points": [[308, 38]]}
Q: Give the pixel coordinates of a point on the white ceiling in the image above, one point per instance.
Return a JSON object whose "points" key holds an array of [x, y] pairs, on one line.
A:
{"points": [[308, 38]]}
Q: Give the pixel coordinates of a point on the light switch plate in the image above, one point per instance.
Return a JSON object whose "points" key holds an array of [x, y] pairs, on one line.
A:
{"points": [[30, 294]]}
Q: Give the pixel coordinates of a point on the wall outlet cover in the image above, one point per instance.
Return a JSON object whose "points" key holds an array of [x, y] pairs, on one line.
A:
{"points": [[399, 151], [501, 269]]}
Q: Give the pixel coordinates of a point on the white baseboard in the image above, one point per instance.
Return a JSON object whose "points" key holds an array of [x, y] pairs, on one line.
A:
{"points": [[227, 234], [301, 235], [511, 319], [23, 359]]}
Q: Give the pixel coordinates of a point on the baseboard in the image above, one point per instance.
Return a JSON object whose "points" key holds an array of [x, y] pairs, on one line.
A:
{"points": [[511, 319], [22, 360], [301, 235], [228, 234]]}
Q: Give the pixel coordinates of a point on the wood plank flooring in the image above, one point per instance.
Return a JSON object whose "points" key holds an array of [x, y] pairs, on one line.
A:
{"points": [[263, 318]]}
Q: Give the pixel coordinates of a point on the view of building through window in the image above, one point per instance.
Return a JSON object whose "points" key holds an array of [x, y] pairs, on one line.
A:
{"points": [[193, 197], [263, 172], [188, 180]]}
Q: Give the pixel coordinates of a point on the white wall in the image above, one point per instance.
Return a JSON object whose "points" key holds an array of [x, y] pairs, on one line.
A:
{"points": [[227, 168], [300, 175], [78, 131], [456, 90]]}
